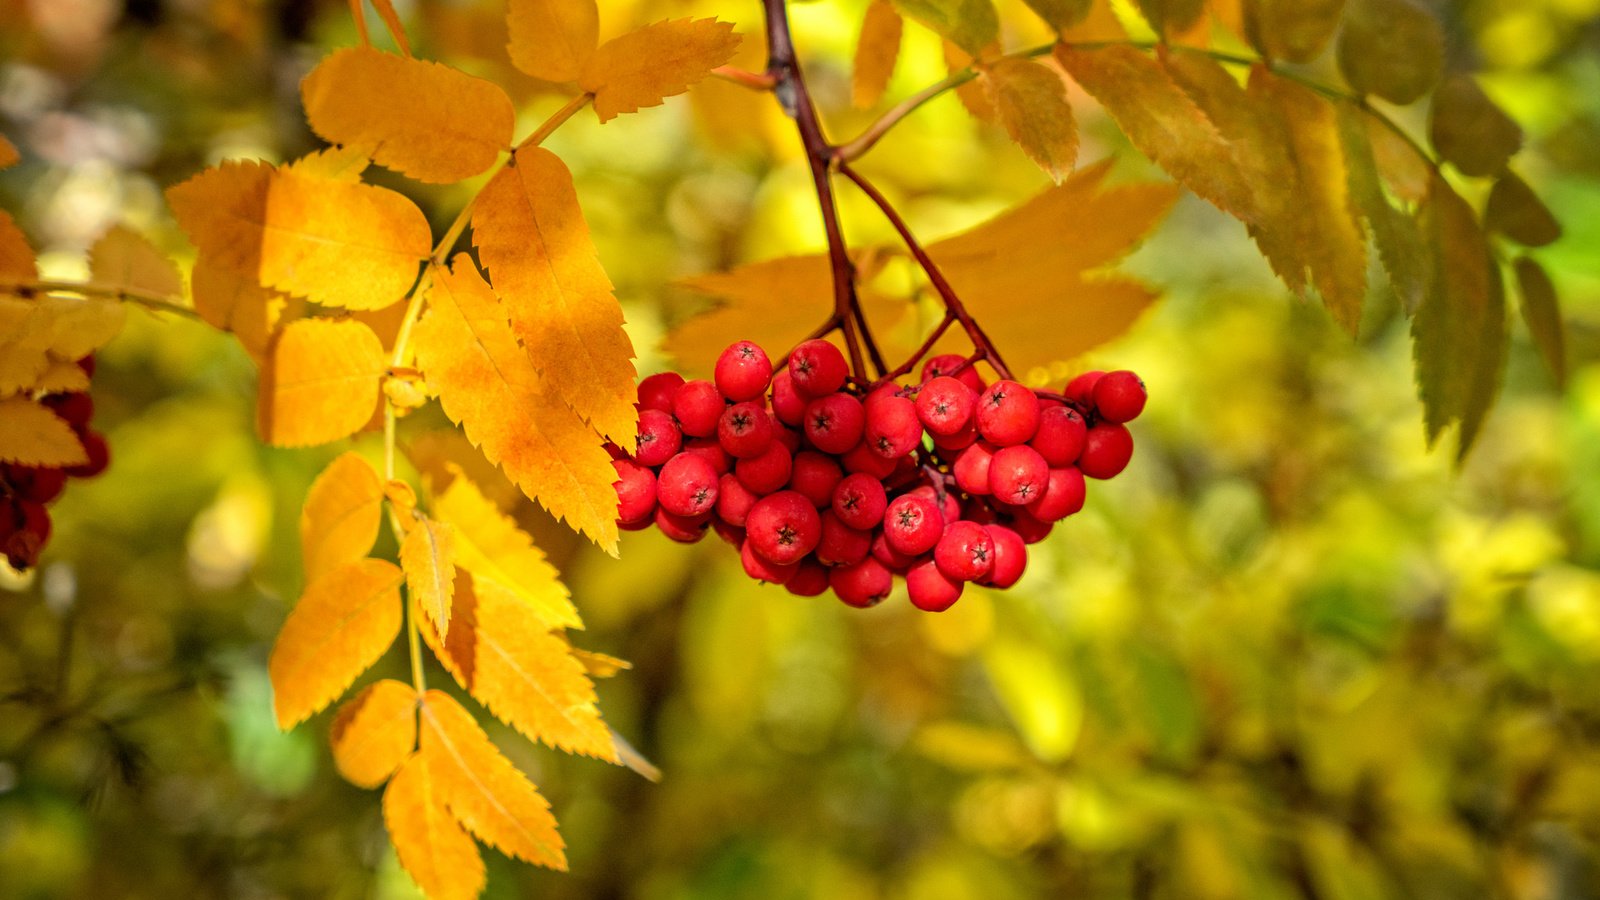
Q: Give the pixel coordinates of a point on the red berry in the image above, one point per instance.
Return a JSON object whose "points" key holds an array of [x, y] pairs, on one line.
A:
{"points": [[1008, 414], [731, 535], [1031, 530], [1119, 396], [743, 372], [94, 444], [657, 391], [1010, 557], [734, 501], [37, 483], [893, 429], [659, 438], [840, 544], [913, 524], [953, 362], [1060, 437], [768, 472], [77, 409], [893, 559], [1063, 496], [698, 405], [687, 486], [818, 368], [930, 589], [636, 492], [788, 437], [966, 552], [862, 585], [1107, 451], [762, 569], [1018, 475], [809, 580], [683, 529], [978, 509], [710, 450], [784, 527], [945, 406], [972, 468], [949, 506], [961, 440], [29, 531], [859, 500], [815, 477], [834, 423], [863, 459], [787, 403], [1081, 389], [746, 430]]}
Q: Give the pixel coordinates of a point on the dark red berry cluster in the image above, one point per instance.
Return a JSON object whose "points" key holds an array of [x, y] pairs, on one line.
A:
{"points": [[822, 483], [25, 490]]}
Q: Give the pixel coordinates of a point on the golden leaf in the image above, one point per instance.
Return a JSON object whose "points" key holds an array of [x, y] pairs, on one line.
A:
{"points": [[438, 454], [336, 162], [644, 67], [487, 385], [428, 557], [552, 39], [342, 624], [125, 259], [971, 94], [8, 153], [374, 732], [333, 241], [322, 383], [434, 850], [36, 333], [61, 377], [16, 254], [341, 517], [451, 125], [876, 53], [1031, 101], [535, 244], [501, 557], [505, 657], [600, 665], [33, 435], [239, 304], [488, 795]]}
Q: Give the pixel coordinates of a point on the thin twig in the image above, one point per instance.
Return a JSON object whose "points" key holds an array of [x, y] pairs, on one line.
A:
{"points": [[755, 81], [122, 294]]}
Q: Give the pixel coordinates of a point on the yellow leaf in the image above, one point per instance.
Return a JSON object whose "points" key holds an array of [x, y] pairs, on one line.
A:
{"points": [[428, 557], [644, 67], [552, 39], [374, 732], [337, 163], [1031, 101], [487, 385], [126, 259], [333, 241], [61, 377], [450, 126], [438, 453], [8, 153], [972, 95], [32, 435], [500, 557], [435, 851], [342, 624], [505, 657], [876, 53], [322, 383], [600, 665], [239, 304], [535, 244], [16, 255], [35, 333], [484, 790], [341, 517]]}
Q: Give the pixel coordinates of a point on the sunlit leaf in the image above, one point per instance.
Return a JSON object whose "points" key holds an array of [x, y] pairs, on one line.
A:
{"points": [[600, 665], [374, 732], [16, 255], [127, 260], [38, 332], [237, 303], [1031, 100], [876, 53], [1541, 312], [1393, 49], [434, 850], [343, 511], [642, 68], [322, 383], [33, 435], [341, 625], [552, 39], [1294, 30], [969, 24], [971, 94], [1515, 211], [1469, 130], [428, 556]]}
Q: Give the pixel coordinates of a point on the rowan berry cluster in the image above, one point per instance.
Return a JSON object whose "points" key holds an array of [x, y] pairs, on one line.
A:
{"points": [[25, 490], [822, 482]]}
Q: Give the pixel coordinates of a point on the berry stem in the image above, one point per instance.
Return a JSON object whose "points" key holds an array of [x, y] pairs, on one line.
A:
{"points": [[927, 347]]}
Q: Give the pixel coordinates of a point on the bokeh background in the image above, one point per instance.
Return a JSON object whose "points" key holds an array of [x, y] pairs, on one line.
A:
{"points": [[1291, 653]]}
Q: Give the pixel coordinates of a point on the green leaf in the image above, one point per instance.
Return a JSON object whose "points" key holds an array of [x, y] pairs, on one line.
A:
{"points": [[969, 24], [1294, 30], [1541, 312], [1469, 130], [1396, 234], [1061, 14], [1031, 100], [1391, 48], [1169, 17], [1515, 211]]}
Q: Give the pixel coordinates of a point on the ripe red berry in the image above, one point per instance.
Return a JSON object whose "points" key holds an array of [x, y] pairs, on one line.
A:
{"points": [[636, 492], [659, 438], [1018, 475], [732, 535], [833, 423], [1081, 389], [1107, 451], [952, 444], [94, 444], [815, 476], [930, 589], [810, 579], [948, 363], [817, 368], [1008, 414], [1063, 496], [949, 505], [892, 428], [972, 468], [29, 530], [745, 430], [784, 526], [698, 406], [765, 473], [37, 483], [710, 450], [743, 371], [787, 403], [913, 524], [840, 544], [763, 569], [965, 552], [657, 391], [1031, 530], [1010, 557], [734, 500], [788, 437], [1119, 396], [687, 486], [77, 409], [860, 500], [1060, 437], [893, 559], [862, 585], [863, 459], [683, 529], [945, 406]]}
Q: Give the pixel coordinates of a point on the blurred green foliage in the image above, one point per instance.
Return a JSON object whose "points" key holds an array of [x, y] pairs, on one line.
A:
{"points": [[1290, 654]]}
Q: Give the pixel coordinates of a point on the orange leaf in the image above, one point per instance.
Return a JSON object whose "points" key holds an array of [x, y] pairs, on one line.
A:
{"points": [[642, 68], [450, 126], [876, 53], [428, 557], [239, 304], [1031, 101], [484, 790], [552, 39], [335, 241], [16, 255], [374, 732], [535, 244], [487, 385], [33, 435], [341, 517], [322, 383], [342, 624], [600, 665], [504, 656], [8, 153], [126, 259], [501, 558], [435, 851]]}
